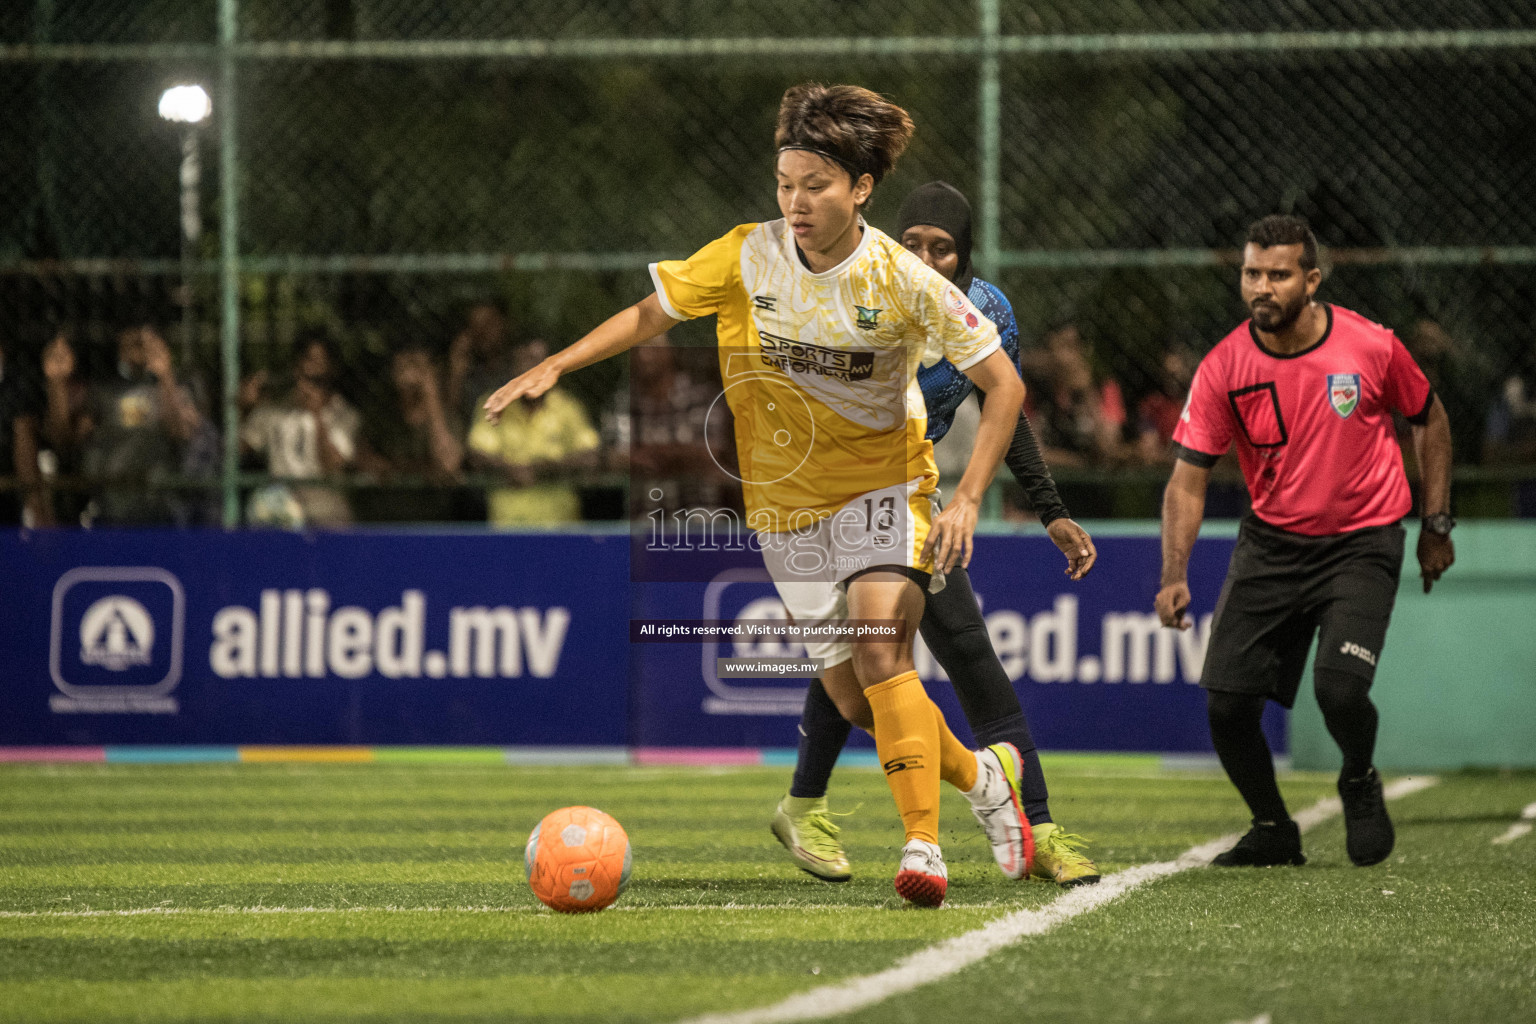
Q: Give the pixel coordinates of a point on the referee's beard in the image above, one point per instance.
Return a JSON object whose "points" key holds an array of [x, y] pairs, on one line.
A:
{"points": [[1273, 317]]}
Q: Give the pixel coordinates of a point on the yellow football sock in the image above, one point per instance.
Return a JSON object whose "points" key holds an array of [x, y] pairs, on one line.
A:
{"points": [[907, 740], [957, 762]]}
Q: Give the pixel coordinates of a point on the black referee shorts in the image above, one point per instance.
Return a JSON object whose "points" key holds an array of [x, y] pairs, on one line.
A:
{"points": [[1282, 588]]}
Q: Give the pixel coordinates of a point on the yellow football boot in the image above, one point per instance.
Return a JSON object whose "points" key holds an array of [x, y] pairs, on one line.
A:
{"points": [[1058, 857], [804, 826]]}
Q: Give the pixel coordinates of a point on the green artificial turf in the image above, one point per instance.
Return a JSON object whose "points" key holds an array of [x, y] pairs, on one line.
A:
{"points": [[395, 892]]}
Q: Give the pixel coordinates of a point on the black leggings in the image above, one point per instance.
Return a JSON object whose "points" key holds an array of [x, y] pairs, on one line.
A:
{"points": [[955, 632], [1244, 753]]}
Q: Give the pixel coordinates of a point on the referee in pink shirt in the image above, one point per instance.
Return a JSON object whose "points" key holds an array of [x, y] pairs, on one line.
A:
{"points": [[1305, 390]]}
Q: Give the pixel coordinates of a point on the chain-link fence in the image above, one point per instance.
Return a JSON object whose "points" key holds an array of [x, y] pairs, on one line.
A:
{"points": [[386, 175]]}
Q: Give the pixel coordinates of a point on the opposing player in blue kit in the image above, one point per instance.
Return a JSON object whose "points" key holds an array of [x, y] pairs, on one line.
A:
{"points": [[935, 224]]}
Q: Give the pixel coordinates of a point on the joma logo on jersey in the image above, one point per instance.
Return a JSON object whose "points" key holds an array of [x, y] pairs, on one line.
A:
{"points": [[867, 317], [1344, 393], [1359, 652]]}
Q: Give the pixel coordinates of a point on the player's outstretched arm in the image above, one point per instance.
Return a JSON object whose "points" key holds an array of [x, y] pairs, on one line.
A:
{"points": [[619, 333], [1432, 448], [1183, 509], [950, 539]]}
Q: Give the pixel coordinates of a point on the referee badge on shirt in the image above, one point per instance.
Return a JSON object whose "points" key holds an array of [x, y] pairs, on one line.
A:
{"points": [[1344, 393]]}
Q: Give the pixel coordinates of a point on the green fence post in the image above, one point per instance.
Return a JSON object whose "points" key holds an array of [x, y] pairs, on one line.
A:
{"points": [[988, 173], [989, 138], [229, 258]]}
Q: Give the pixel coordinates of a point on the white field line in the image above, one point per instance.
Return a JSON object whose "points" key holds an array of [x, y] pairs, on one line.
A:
{"points": [[240, 911], [1514, 832], [1262, 1018], [1519, 828], [945, 958]]}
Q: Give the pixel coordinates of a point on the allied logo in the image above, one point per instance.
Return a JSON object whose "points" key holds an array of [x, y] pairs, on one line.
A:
{"points": [[116, 633], [115, 644], [1344, 393], [867, 317]]}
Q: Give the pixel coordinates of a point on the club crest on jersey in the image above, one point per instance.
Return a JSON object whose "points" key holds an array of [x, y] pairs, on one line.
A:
{"points": [[1344, 393], [867, 317]]}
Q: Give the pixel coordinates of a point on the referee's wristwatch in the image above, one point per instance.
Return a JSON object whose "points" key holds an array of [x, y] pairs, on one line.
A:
{"points": [[1441, 524]]}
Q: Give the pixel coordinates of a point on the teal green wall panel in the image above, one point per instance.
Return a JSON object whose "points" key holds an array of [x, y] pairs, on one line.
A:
{"points": [[1456, 685]]}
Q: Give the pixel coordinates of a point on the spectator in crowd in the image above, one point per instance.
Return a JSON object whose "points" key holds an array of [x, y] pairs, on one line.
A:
{"points": [[1511, 423], [307, 433], [1157, 414], [1463, 378], [479, 360], [537, 444], [667, 430], [143, 433], [66, 422], [413, 439], [1080, 419], [20, 410]]}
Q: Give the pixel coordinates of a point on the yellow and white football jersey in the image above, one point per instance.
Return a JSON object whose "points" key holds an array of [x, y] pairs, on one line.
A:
{"points": [[820, 370]]}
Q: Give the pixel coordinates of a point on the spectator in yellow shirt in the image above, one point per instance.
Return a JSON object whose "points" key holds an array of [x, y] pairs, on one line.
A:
{"points": [[537, 444]]}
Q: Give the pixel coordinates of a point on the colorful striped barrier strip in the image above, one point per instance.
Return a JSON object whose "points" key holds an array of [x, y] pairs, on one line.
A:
{"points": [[169, 755], [315, 754], [53, 753], [1116, 763]]}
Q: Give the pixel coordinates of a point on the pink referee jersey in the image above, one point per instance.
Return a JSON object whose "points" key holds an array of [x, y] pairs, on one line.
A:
{"points": [[1313, 430]]}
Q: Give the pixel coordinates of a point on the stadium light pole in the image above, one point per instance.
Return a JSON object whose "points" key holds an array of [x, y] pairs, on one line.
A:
{"points": [[188, 106]]}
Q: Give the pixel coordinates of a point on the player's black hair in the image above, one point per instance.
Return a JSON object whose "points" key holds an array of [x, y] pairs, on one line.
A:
{"points": [[1285, 229], [861, 131]]}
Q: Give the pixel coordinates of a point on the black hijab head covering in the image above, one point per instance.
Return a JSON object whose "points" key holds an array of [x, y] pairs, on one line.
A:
{"points": [[941, 205]]}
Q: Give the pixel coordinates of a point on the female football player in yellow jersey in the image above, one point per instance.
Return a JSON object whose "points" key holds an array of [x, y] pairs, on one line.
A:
{"points": [[822, 323], [934, 222]]}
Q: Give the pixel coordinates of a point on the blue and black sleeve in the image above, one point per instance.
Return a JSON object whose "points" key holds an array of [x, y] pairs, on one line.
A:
{"points": [[1023, 457]]}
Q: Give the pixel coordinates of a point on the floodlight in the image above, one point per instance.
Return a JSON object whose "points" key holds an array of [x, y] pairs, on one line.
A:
{"points": [[187, 104]]}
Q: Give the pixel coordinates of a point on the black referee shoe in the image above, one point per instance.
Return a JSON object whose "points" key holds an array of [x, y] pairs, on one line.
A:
{"points": [[1268, 844], [1368, 834]]}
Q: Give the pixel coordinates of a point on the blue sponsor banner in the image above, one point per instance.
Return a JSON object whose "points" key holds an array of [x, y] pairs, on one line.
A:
{"points": [[162, 637], [166, 638], [1092, 667]]}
